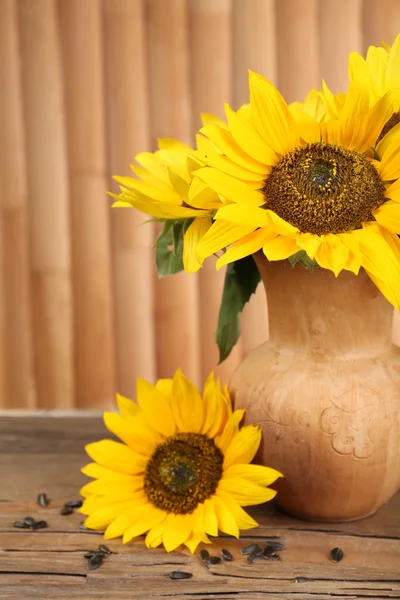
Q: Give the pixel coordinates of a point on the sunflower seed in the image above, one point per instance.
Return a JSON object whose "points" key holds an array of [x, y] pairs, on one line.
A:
{"points": [[29, 521], [74, 504], [249, 549], [268, 550], [204, 554], [276, 546], [104, 549], [257, 552], [251, 558], [66, 510], [20, 525], [43, 500], [180, 575], [39, 525], [226, 555], [212, 560], [274, 557], [336, 554], [95, 562], [93, 553]]}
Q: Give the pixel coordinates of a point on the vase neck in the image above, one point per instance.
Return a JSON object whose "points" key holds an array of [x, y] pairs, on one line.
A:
{"points": [[324, 313]]}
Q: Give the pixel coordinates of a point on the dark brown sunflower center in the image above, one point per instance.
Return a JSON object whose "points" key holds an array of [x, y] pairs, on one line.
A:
{"points": [[394, 119], [323, 188], [183, 472]]}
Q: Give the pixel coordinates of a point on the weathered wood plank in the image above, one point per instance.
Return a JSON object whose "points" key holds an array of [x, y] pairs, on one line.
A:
{"points": [[45, 454]]}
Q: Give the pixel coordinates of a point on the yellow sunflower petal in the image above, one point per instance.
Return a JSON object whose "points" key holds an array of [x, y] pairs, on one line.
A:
{"points": [[201, 196], [388, 215], [243, 520], [246, 492], [255, 473], [248, 245], [127, 484], [388, 149], [97, 471], [124, 521], [354, 258], [195, 232], [392, 70], [228, 166], [156, 408], [127, 408], [353, 117], [280, 248], [231, 428], [271, 115], [165, 387], [220, 235], [188, 407], [100, 519], [243, 447], [225, 141], [116, 456], [393, 191], [226, 520], [210, 518], [308, 242], [146, 518], [332, 254], [213, 409], [155, 536], [177, 529], [195, 539], [234, 189], [124, 431], [247, 216]]}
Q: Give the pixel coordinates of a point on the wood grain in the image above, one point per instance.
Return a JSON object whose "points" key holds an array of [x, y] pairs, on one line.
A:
{"points": [[49, 563], [381, 22], [47, 177], [298, 48], [129, 133], [94, 351], [17, 357], [176, 298]]}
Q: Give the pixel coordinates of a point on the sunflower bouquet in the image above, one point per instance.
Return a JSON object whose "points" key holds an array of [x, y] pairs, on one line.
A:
{"points": [[316, 183]]}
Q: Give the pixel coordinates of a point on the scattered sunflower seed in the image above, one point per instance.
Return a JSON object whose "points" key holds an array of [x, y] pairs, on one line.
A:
{"points": [[336, 554], [66, 510], [249, 549], [20, 525], [93, 553], [274, 557], [43, 500], [268, 550], [104, 549], [251, 558], [180, 575], [213, 560], [39, 525], [226, 555], [29, 521], [204, 554], [276, 546], [257, 552], [95, 562], [74, 504]]}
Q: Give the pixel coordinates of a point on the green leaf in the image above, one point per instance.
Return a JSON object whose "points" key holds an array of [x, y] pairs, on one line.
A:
{"points": [[241, 280], [302, 257], [169, 247]]}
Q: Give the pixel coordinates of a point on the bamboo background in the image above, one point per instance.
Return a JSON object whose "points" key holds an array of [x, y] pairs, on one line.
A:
{"points": [[86, 84]]}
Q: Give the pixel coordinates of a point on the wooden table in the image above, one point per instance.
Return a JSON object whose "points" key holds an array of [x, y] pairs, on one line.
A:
{"points": [[44, 454]]}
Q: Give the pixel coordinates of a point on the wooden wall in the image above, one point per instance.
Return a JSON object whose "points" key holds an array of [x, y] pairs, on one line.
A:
{"points": [[86, 84]]}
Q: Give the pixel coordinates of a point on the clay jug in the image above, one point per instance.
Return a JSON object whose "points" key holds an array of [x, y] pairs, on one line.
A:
{"points": [[325, 389]]}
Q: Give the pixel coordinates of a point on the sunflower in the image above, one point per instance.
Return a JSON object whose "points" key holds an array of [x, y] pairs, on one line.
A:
{"points": [[164, 189], [305, 185], [182, 471]]}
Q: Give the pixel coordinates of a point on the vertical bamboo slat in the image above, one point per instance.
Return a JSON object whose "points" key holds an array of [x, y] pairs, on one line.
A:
{"points": [[211, 86], [17, 355], [128, 129], [47, 176], [381, 22], [254, 47], [344, 17], [176, 298], [81, 29], [298, 51]]}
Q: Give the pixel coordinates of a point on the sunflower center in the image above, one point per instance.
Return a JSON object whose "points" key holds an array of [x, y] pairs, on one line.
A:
{"points": [[394, 119], [322, 188], [183, 472]]}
